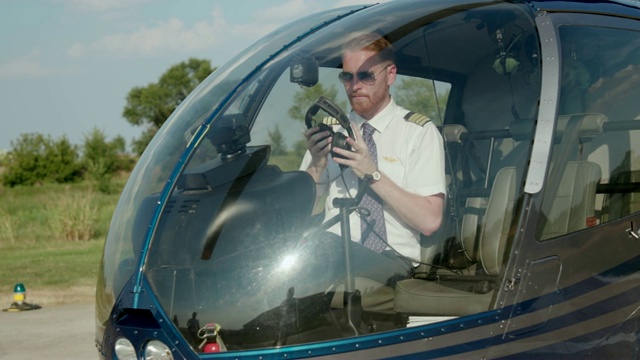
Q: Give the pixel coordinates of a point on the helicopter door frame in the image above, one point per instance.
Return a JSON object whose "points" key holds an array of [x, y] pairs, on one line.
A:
{"points": [[547, 267], [518, 265], [549, 93]]}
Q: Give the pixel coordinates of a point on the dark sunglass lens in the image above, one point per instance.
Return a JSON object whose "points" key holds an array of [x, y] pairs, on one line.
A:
{"points": [[366, 77], [345, 76]]}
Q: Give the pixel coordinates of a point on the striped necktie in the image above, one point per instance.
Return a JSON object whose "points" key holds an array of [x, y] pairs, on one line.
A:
{"points": [[372, 227]]}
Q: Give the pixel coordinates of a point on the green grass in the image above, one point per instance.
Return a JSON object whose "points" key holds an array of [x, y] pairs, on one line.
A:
{"points": [[33, 215], [59, 264], [286, 162], [51, 236]]}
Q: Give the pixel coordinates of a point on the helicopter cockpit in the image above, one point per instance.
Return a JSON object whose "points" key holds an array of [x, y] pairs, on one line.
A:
{"points": [[218, 223]]}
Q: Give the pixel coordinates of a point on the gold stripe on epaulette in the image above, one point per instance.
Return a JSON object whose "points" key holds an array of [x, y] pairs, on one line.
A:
{"points": [[416, 118], [330, 120]]}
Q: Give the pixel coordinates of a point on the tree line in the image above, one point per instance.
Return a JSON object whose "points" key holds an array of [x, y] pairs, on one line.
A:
{"points": [[36, 158]]}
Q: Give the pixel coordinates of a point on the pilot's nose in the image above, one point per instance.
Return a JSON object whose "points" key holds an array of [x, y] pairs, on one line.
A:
{"points": [[355, 84]]}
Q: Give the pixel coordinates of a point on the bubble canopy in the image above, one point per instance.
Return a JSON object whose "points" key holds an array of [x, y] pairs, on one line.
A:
{"points": [[217, 223]]}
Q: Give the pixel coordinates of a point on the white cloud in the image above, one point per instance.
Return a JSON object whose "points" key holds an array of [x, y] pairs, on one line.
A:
{"points": [[174, 35], [170, 35], [99, 6], [289, 11], [268, 19], [29, 66]]}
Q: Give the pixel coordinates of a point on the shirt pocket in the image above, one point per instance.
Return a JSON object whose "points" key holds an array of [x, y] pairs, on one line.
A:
{"points": [[393, 168]]}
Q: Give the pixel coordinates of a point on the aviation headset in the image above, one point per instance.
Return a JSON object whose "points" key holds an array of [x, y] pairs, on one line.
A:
{"points": [[505, 62], [339, 140]]}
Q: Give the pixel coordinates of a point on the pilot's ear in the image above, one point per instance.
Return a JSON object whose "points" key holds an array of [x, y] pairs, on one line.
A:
{"points": [[391, 74]]}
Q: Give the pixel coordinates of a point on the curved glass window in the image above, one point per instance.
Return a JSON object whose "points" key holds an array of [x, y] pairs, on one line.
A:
{"points": [[240, 242], [595, 172], [131, 217]]}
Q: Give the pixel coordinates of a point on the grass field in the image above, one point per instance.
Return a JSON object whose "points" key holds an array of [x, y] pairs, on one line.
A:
{"points": [[51, 239]]}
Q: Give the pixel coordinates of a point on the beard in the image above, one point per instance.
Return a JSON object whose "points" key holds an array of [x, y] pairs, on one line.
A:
{"points": [[360, 104], [367, 105]]}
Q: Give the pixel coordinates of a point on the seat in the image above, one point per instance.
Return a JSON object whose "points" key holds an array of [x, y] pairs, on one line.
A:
{"points": [[572, 209], [431, 245], [471, 228], [507, 146], [454, 297], [620, 203], [570, 191], [573, 206], [484, 231]]}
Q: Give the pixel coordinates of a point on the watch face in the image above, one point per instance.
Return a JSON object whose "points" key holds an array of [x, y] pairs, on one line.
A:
{"points": [[376, 175]]}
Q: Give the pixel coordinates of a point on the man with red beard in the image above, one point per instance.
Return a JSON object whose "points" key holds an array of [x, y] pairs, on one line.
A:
{"points": [[404, 165]]}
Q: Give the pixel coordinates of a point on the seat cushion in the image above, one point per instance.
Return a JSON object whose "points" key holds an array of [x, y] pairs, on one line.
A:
{"points": [[422, 297], [376, 297]]}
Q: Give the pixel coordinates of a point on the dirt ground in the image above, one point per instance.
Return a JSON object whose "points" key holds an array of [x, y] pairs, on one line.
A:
{"points": [[56, 331]]}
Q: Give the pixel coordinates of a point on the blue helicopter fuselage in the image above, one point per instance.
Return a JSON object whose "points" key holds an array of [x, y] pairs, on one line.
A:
{"points": [[217, 250]]}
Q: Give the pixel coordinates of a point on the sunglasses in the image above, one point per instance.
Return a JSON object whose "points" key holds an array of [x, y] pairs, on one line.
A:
{"points": [[365, 77]]}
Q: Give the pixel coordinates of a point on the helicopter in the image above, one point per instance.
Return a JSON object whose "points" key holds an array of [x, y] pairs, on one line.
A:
{"points": [[216, 251]]}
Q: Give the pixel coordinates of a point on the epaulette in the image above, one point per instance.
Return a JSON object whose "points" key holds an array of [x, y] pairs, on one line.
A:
{"points": [[330, 120], [416, 118]]}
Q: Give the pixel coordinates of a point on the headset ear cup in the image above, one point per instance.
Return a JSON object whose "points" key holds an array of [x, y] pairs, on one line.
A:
{"points": [[339, 141], [506, 65], [337, 138], [325, 127]]}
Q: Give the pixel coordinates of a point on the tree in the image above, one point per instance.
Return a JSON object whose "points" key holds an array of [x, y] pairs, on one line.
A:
{"points": [[102, 158], [61, 161], [150, 106], [34, 158], [418, 95], [278, 147], [24, 161], [304, 98], [3, 157], [138, 145], [96, 148]]}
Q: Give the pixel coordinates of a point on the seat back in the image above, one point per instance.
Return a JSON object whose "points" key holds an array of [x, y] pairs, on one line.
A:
{"points": [[471, 228], [456, 297], [497, 220], [570, 188], [514, 141], [573, 206], [433, 244]]}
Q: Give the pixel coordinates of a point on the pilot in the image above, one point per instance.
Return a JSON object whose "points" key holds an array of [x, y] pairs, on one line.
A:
{"points": [[399, 153]]}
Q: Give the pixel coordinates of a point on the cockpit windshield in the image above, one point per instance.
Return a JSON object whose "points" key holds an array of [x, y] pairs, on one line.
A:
{"points": [[233, 234]]}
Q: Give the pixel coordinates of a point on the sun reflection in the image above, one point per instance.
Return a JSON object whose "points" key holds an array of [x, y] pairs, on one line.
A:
{"points": [[288, 262]]}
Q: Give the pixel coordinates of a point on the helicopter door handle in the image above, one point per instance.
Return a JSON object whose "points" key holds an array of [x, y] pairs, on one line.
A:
{"points": [[511, 284], [632, 233]]}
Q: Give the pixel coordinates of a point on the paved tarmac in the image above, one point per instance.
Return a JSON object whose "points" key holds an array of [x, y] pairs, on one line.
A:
{"points": [[55, 332]]}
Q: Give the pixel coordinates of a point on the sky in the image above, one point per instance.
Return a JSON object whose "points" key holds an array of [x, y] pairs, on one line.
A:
{"points": [[66, 66]]}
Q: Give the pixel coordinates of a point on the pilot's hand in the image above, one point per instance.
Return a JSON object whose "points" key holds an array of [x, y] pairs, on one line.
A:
{"points": [[319, 146], [359, 159]]}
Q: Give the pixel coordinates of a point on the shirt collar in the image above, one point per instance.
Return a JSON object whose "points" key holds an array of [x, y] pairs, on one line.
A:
{"points": [[381, 120]]}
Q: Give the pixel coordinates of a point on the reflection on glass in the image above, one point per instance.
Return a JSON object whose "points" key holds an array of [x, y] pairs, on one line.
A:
{"points": [[239, 250], [594, 159]]}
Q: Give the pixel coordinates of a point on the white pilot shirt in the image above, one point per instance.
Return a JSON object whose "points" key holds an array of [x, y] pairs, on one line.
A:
{"points": [[412, 156]]}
